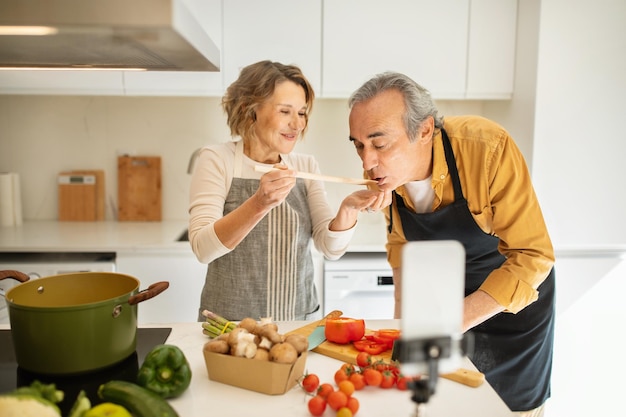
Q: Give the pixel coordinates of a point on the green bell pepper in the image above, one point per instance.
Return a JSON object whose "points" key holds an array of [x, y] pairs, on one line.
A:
{"points": [[165, 371]]}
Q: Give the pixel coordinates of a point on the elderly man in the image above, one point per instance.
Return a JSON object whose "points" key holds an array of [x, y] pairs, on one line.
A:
{"points": [[463, 178]]}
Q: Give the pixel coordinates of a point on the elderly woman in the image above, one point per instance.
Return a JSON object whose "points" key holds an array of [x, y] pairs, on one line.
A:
{"points": [[255, 230]]}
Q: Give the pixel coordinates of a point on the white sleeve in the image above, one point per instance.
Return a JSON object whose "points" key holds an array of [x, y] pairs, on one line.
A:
{"points": [[209, 187], [332, 244]]}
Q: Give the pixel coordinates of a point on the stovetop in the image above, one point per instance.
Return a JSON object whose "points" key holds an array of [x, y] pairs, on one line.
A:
{"points": [[12, 376]]}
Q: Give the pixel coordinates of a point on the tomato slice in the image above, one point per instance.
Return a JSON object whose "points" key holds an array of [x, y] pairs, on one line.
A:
{"points": [[376, 348], [386, 336], [389, 333], [370, 346]]}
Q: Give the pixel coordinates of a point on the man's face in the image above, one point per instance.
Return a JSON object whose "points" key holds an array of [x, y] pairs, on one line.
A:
{"points": [[378, 133]]}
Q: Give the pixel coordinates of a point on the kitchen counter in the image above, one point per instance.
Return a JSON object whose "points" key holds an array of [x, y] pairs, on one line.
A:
{"points": [[110, 236], [204, 395], [450, 399]]}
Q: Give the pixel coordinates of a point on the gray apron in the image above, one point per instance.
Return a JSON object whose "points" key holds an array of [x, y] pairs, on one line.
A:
{"points": [[514, 351], [270, 273]]}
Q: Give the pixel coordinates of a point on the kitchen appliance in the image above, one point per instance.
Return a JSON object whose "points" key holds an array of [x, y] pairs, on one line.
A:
{"points": [[84, 321], [13, 376], [37, 265], [360, 284], [81, 195], [158, 35], [139, 188]]}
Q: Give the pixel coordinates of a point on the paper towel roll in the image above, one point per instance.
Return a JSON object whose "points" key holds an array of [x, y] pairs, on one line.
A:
{"points": [[10, 199]]}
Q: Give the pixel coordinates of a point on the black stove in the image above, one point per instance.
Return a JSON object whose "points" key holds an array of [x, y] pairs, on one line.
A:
{"points": [[13, 376]]}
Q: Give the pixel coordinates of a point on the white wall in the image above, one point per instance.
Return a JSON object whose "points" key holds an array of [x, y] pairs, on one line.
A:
{"points": [[41, 136], [579, 136], [578, 160]]}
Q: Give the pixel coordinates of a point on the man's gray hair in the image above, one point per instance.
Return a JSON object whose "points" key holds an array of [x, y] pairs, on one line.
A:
{"points": [[417, 100]]}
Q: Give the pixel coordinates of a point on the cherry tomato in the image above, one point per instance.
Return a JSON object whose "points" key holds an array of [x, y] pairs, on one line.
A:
{"points": [[337, 399], [344, 412], [373, 377], [324, 390], [347, 387], [317, 405], [353, 405], [358, 380], [363, 359], [344, 330], [388, 380], [402, 383], [341, 375], [310, 382]]}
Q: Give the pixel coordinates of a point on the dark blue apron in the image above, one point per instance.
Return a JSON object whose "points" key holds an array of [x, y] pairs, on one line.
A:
{"points": [[514, 351]]}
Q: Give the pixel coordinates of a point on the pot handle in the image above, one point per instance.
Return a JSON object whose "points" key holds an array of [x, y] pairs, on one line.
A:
{"points": [[150, 292], [20, 276]]}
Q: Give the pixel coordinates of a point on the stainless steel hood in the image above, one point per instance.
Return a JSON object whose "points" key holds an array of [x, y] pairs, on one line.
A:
{"points": [[152, 35]]}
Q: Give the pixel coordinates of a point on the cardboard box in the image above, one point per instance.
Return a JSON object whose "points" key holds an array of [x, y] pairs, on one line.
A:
{"points": [[255, 375]]}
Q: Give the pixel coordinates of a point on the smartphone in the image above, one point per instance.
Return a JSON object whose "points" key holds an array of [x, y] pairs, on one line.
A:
{"points": [[433, 281]]}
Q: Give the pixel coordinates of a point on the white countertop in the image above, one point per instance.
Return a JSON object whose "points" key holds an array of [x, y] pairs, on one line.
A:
{"points": [[205, 397], [450, 399], [110, 236]]}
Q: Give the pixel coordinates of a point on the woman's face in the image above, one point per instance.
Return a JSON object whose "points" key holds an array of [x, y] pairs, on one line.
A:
{"points": [[280, 121]]}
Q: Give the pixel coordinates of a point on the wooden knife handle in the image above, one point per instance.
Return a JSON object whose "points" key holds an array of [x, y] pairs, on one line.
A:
{"points": [[332, 315], [466, 377]]}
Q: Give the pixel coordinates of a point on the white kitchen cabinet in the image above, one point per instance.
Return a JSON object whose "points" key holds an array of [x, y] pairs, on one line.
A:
{"points": [[455, 48], [278, 30], [492, 45], [424, 39], [180, 302]]}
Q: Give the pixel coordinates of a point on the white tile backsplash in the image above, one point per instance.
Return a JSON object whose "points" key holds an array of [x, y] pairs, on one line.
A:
{"points": [[41, 136]]}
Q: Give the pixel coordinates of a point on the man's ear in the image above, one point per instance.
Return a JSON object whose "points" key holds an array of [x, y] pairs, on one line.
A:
{"points": [[427, 128]]}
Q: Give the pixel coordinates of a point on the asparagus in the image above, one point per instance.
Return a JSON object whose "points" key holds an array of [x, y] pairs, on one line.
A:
{"points": [[215, 325]]}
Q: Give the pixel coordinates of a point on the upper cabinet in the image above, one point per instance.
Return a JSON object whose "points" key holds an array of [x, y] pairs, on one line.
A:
{"points": [[491, 49], [286, 31], [458, 49]]}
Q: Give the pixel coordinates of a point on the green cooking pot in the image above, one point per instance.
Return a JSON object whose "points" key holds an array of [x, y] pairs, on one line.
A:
{"points": [[74, 323]]}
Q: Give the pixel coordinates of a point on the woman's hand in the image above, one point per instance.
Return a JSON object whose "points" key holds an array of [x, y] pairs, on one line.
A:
{"points": [[274, 187]]}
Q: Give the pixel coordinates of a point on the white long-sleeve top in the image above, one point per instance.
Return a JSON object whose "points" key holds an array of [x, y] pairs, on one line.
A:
{"points": [[211, 181]]}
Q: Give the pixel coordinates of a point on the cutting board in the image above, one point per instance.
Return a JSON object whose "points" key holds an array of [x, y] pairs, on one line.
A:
{"points": [[81, 195], [348, 353], [139, 188]]}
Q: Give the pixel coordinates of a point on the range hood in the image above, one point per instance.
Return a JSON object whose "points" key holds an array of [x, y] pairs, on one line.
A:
{"points": [[152, 35]]}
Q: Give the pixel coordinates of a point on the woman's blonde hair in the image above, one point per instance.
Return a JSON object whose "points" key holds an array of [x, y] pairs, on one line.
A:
{"points": [[256, 84]]}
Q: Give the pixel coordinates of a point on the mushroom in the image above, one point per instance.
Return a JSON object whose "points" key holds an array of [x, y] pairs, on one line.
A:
{"points": [[283, 353]]}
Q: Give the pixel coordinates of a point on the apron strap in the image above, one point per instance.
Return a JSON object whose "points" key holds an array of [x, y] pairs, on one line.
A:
{"points": [[237, 169], [451, 162]]}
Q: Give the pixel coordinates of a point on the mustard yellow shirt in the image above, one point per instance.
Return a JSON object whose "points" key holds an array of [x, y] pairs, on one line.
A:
{"points": [[500, 195]]}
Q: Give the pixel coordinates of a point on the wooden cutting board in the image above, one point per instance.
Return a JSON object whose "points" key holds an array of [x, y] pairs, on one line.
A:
{"points": [[348, 353], [139, 188]]}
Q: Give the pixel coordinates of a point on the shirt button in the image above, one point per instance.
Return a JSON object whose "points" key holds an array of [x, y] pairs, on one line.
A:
{"points": [[442, 176]]}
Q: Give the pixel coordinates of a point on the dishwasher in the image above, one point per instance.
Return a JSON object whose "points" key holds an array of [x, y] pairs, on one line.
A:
{"points": [[360, 284], [42, 264]]}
